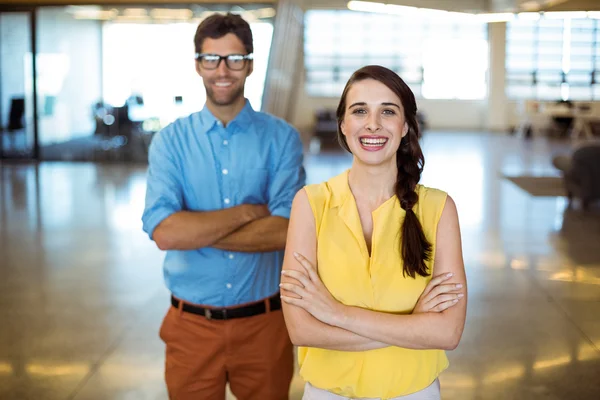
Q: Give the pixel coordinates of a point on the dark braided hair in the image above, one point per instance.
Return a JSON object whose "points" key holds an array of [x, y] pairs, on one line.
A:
{"points": [[414, 246]]}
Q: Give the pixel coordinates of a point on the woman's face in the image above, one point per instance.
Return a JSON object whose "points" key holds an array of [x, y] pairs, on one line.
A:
{"points": [[374, 122]]}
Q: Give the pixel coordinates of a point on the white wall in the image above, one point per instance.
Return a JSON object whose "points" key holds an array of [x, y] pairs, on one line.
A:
{"points": [[69, 68]]}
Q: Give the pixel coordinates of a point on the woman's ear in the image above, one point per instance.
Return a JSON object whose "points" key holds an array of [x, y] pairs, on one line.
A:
{"points": [[405, 129], [343, 128]]}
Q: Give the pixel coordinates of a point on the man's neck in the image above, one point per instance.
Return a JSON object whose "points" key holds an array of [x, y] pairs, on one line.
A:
{"points": [[227, 113]]}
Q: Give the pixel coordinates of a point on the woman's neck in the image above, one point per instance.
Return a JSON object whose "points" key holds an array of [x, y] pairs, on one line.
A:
{"points": [[374, 184]]}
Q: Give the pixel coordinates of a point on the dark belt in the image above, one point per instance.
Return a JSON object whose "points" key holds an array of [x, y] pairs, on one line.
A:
{"points": [[230, 313]]}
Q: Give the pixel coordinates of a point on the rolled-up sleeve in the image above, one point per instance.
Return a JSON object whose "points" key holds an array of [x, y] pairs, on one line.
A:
{"points": [[164, 194], [288, 176]]}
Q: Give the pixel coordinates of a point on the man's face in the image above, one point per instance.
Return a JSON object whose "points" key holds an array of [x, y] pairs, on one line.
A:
{"points": [[224, 86]]}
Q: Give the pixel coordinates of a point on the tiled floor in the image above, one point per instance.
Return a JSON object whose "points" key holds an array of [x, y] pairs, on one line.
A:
{"points": [[81, 292]]}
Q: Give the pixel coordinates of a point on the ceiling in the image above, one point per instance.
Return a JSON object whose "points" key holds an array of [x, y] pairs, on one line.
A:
{"points": [[472, 6], [476, 6], [545, 5]]}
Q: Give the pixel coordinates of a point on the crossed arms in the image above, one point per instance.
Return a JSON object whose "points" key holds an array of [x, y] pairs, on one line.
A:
{"points": [[242, 228], [245, 228], [315, 319]]}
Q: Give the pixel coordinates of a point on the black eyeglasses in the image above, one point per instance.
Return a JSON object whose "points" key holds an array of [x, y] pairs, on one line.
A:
{"points": [[234, 62]]}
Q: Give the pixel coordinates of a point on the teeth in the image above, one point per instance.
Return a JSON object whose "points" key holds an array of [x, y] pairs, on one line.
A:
{"points": [[373, 142], [222, 84]]}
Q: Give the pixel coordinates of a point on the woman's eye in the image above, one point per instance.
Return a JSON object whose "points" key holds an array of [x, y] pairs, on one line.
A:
{"points": [[389, 112], [359, 111]]}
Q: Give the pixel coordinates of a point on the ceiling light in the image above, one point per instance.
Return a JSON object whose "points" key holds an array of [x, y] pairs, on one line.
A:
{"points": [[171, 13], [496, 17], [565, 14], [367, 6], [135, 12], [529, 16]]}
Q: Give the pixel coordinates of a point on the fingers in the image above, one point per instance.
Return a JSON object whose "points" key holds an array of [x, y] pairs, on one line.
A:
{"points": [[441, 289], [442, 298], [444, 306], [299, 276], [288, 293], [293, 301], [310, 269], [435, 281], [293, 288]]}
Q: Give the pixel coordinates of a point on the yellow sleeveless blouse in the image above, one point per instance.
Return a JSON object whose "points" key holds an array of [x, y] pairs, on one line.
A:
{"points": [[374, 283]]}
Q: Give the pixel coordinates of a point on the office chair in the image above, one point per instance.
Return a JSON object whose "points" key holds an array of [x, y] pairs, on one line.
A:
{"points": [[16, 114], [15, 121]]}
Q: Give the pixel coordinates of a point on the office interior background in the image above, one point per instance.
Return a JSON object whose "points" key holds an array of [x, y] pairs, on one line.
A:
{"points": [[502, 86]]}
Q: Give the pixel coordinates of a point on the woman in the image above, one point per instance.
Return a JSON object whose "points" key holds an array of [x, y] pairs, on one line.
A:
{"points": [[390, 293]]}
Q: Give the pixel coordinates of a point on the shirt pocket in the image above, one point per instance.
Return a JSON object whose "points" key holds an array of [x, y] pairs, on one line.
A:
{"points": [[254, 186]]}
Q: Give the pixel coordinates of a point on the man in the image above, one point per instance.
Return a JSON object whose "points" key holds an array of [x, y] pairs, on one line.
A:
{"points": [[220, 188]]}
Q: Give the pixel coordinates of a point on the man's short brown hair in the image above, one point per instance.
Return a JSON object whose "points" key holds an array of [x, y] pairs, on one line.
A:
{"points": [[219, 25]]}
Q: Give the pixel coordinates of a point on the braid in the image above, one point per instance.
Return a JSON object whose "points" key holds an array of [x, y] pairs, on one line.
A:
{"points": [[414, 246]]}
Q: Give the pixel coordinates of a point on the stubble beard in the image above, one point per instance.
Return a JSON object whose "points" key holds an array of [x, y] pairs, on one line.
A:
{"points": [[235, 96]]}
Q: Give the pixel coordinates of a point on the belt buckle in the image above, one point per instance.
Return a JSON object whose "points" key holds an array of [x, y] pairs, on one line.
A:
{"points": [[207, 314]]}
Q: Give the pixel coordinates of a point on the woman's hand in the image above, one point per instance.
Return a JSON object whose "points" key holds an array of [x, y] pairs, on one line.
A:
{"points": [[438, 297], [310, 293]]}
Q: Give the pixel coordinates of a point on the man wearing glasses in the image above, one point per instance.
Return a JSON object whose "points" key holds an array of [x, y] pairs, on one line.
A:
{"points": [[220, 189]]}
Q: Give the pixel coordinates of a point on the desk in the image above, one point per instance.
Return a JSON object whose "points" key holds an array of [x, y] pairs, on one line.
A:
{"points": [[582, 114]]}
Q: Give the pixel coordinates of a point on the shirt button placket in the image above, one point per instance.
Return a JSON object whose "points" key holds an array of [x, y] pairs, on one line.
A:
{"points": [[227, 187], [225, 171]]}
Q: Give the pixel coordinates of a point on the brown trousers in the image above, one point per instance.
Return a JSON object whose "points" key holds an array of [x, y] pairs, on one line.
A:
{"points": [[254, 354]]}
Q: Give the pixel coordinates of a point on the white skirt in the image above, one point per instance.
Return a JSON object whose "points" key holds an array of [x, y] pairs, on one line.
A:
{"points": [[431, 392]]}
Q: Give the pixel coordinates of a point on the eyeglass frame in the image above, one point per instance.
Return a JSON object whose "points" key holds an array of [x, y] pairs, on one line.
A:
{"points": [[246, 57]]}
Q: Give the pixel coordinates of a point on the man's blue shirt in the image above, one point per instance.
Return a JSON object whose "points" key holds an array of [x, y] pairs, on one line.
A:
{"points": [[196, 164]]}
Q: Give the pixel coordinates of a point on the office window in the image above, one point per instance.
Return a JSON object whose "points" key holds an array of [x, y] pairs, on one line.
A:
{"points": [[553, 59], [437, 57]]}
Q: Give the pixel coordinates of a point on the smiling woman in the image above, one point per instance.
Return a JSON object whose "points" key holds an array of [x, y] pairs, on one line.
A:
{"points": [[373, 287], [373, 122]]}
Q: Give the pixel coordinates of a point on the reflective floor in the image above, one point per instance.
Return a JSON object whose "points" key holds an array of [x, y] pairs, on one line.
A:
{"points": [[82, 297]]}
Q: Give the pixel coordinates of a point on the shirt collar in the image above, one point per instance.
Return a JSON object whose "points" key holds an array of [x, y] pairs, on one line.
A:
{"points": [[243, 118], [208, 119], [343, 200], [340, 189]]}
